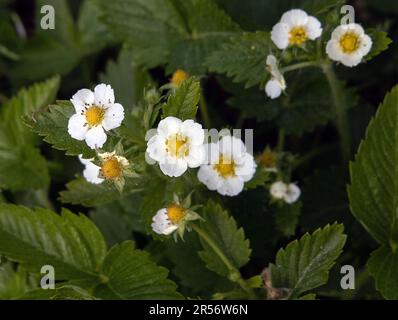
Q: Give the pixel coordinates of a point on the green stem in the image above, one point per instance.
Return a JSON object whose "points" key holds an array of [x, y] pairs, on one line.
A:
{"points": [[341, 111], [281, 140], [233, 272], [300, 65], [43, 200], [204, 111]]}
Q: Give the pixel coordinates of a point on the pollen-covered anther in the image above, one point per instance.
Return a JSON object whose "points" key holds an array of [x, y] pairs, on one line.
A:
{"points": [[225, 167], [111, 168], [298, 35], [177, 146], [94, 115], [175, 213]]}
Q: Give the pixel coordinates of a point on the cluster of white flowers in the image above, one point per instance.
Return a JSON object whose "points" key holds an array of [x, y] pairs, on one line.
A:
{"points": [[286, 192], [96, 112], [224, 166], [349, 44]]}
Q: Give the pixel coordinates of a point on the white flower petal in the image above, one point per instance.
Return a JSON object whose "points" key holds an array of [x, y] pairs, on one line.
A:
{"points": [[366, 44], [82, 99], [114, 116], [193, 131], [169, 126], [91, 173], [173, 167], [77, 127], [273, 89], [292, 194], [85, 161], [247, 168], [280, 35], [295, 17], [314, 28], [278, 190], [209, 177], [231, 186], [104, 95], [196, 156], [95, 137], [156, 148], [231, 146], [161, 224]]}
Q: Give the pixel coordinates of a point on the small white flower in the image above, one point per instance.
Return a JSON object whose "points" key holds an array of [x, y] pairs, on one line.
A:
{"points": [[287, 192], [228, 166], [295, 28], [161, 224], [96, 112], [91, 171], [277, 83], [348, 44], [293, 192], [177, 146], [278, 190]]}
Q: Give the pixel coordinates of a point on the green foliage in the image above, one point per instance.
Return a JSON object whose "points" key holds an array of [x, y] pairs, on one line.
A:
{"points": [[243, 58], [70, 243], [13, 283], [222, 229], [60, 292], [183, 103], [381, 42], [305, 264], [60, 50], [52, 124], [127, 80], [287, 217], [20, 158], [130, 274], [372, 192], [178, 33]]}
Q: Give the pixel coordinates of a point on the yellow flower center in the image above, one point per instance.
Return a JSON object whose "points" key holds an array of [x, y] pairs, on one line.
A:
{"points": [[178, 77], [177, 146], [111, 169], [175, 213], [298, 35], [225, 167], [268, 159], [94, 115], [349, 42]]}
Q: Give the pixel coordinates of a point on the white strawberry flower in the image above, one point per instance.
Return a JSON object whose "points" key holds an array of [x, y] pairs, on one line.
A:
{"points": [[96, 112], [228, 166], [91, 171], [289, 193], [295, 28], [177, 145], [349, 44], [277, 83]]}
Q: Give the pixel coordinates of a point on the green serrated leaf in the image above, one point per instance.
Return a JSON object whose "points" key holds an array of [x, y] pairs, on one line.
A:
{"points": [[20, 159], [179, 33], [13, 283], [60, 292], [52, 124], [381, 42], [383, 266], [130, 274], [243, 58], [373, 189], [183, 103], [70, 243], [222, 229], [305, 264]]}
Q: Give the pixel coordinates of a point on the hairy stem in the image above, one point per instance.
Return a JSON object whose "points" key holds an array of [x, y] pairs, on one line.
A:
{"points": [[300, 65], [233, 272]]}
